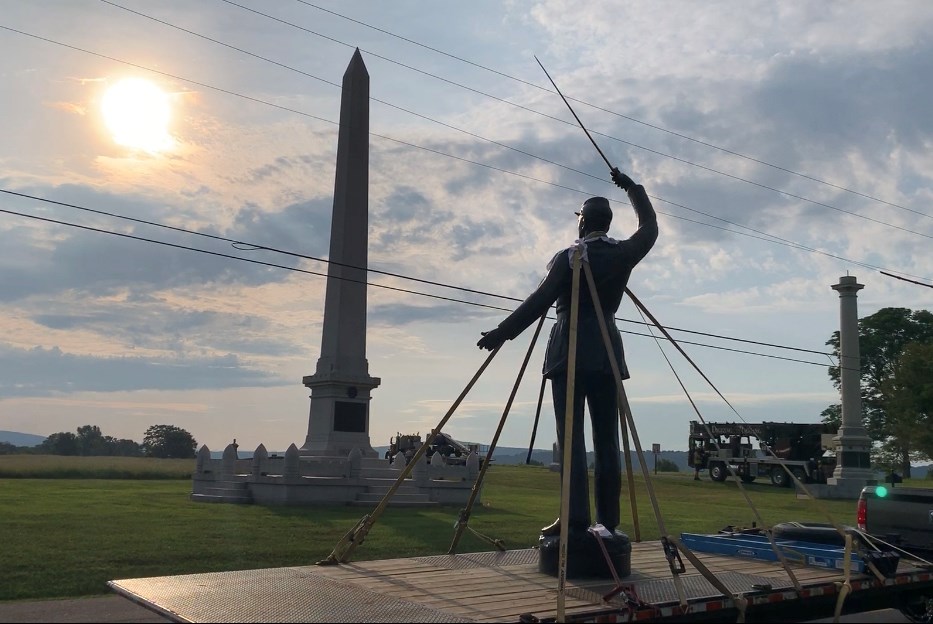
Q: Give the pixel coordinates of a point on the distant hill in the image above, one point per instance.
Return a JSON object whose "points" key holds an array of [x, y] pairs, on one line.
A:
{"points": [[21, 439]]}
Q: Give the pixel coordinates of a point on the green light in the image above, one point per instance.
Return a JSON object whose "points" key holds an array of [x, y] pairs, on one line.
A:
{"points": [[881, 491]]}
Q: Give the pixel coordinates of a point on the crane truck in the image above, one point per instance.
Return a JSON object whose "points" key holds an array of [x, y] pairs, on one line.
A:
{"points": [[754, 450]]}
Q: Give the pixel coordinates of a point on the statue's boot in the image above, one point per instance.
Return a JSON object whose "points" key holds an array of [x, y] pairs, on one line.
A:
{"points": [[551, 529], [554, 529]]}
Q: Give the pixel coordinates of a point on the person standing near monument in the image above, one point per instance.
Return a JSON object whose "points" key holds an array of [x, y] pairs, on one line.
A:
{"points": [[611, 262], [699, 460]]}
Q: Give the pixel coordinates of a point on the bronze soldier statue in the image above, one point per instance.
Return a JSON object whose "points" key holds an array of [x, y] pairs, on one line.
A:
{"points": [[611, 262]]}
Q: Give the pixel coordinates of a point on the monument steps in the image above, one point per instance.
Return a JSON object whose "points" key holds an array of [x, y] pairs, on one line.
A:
{"points": [[383, 489], [398, 500], [379, 468], [405, 495], [213, 498], [225, 492], [389, 474]]}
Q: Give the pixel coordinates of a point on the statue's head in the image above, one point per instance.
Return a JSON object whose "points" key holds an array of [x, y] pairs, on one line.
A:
{"points": [[594, 216]]}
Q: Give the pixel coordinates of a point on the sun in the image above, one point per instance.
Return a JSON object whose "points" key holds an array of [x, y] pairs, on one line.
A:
{"points": [[137, 114]]}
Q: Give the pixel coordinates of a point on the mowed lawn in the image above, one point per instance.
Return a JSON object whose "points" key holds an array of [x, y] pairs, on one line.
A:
{"points": [[66, 537]]}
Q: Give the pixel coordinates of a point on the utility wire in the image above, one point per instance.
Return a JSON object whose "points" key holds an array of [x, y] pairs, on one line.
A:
{"points": [[774, 239], [477, 136], [563, 121], [367, 283], [162, 73], [247, 246], [334, 84], [416, 114], [250, 260], [708, 215], [218, 42], [617, 114]]}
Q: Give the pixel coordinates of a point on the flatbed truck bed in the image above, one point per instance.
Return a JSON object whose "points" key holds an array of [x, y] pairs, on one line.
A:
{"points": [[507, 587]]}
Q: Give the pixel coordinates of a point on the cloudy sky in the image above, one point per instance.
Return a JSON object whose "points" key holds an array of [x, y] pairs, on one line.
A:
{"points": [[783, 144]]}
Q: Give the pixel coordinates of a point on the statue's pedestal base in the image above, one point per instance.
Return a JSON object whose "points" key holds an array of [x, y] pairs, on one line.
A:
{"points": [[584, 556]]}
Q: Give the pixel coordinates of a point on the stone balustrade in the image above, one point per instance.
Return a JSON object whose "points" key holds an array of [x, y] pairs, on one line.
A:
{"points": [[291, 477]]}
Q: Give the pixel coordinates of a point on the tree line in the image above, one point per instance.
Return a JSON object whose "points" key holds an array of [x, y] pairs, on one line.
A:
{"points": [[896, 352], [163, 441]]}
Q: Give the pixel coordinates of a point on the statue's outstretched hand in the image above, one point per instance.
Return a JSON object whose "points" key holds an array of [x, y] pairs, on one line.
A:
{"points": [[622, 181], [491, 340]]}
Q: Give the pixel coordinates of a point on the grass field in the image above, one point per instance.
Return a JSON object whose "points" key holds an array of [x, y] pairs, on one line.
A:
{"points": [[66, 537], [65, 467]]}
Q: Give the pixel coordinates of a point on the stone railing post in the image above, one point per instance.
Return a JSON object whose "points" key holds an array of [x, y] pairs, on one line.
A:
{"points": [[356, 462], [420, 471], [292, 462], [260, 458], [472, 464], [229, 460], [203, 460]]}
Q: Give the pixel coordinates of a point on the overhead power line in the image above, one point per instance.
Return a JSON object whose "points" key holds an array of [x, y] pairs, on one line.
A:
{"points": [[564, 121], [248, 246], [242, 259], [367, 283], [338, 86], [773, 238], [444, 124], [617, 114], [265, 59]]}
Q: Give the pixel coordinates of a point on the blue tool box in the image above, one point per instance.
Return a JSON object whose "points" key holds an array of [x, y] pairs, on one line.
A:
{"points": [[758, 547]]}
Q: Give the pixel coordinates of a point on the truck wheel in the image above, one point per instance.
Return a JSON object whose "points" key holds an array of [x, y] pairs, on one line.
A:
{"points": [[800, 473], [779, 477], [718, 471]]}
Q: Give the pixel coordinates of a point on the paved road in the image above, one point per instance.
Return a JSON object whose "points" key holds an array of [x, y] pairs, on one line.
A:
{"points": [[110, 608]]}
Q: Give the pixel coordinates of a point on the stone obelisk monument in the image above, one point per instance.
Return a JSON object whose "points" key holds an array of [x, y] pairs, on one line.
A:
{"points": [[853, 467], [341, 384], [337, 465]]}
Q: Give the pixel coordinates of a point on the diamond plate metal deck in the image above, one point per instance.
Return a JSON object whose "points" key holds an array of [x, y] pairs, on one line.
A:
{"points": [[481, 559], [696, 587], [270, 595], [471, 587]]}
